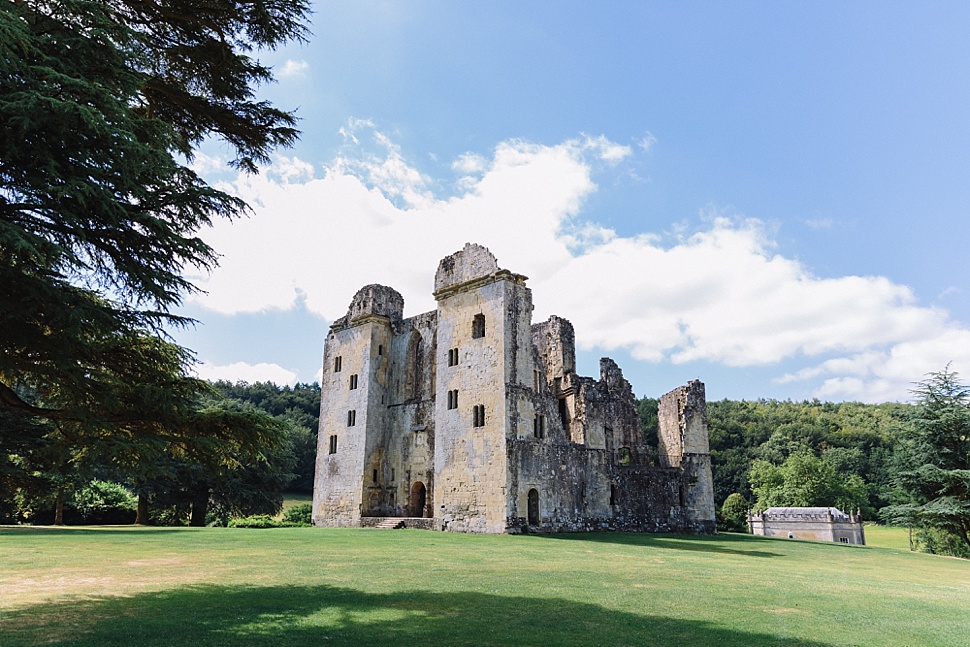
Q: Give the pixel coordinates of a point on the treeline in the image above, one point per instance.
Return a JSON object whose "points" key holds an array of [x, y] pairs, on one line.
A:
{"points": [[268, 446], [811, 453], [851, 438]]}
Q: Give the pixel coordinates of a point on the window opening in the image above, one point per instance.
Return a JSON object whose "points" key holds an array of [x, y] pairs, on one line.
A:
{"points": [[353, 382], [375, 476], [380, 349], [612, 494], [539, 427], [392, 474], [478, 415], [533, 511], [337, 363], [478, 326], [624, 456], [453, 357], [564, 413], [351, 418], [453, 399], [844, 540], [333, 444]]}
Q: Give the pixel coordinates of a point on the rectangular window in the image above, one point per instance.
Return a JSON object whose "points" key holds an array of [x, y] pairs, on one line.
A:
{"points": [[478, 415], [478, 326], [844, 540], [333, 444], [351, 418], [536, 380], [353, 381], [453, 399], [380, 349], [375, 476], [623, 456], [337, 363], [539, 427], [392, 474], [453, 357]]}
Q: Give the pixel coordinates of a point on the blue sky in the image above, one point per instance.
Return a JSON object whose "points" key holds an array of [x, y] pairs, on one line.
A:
{"points": [[770, 197]]}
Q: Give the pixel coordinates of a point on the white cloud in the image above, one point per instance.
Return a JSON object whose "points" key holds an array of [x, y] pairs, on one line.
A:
{"points": [[720, 294], [241, 371], [605, 150], [647, 141], [819, 223], [208, 164], [294, 69]]}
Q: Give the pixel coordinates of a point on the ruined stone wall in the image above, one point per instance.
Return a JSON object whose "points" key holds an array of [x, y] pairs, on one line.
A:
{"points": [[555, 452], [684, 443], [409, 465]]}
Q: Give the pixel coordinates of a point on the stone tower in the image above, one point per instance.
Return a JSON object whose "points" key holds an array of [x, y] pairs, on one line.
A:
{"points": [[353, 410], [484, 353]]}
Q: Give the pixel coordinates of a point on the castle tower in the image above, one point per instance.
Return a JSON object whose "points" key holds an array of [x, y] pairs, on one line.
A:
{"points": [[354, 391], [484, 353], [683, 443]]}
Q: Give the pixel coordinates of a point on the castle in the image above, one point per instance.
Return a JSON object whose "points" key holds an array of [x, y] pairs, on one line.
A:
{"points": [[471, 418]]}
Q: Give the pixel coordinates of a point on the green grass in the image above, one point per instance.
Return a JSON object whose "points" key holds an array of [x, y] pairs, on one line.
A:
{"points": [[887, 537], [306, 586]]}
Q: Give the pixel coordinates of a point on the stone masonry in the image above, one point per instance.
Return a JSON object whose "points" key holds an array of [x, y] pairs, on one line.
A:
{"points": [[471, 418]]}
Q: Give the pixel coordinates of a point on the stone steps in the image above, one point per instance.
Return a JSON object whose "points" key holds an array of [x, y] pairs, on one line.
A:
{"points": [[390, 524]]}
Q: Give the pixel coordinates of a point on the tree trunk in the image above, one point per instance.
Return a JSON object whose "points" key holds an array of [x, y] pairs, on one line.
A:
{"points": [[200, 505], [141, 516], [59, 509]]}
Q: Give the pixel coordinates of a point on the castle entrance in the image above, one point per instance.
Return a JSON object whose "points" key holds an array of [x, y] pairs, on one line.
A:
{"points": [[533, 507], [416, 501]]}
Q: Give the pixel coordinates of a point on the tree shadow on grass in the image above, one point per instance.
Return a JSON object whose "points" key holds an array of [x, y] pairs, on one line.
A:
{"points": [[743, 545], [324, 615]]}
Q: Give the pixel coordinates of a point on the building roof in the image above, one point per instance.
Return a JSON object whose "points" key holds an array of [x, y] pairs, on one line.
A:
{"points": [[796, 512]]}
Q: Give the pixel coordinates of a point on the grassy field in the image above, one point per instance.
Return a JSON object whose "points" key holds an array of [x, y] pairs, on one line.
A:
{"points": [[306, 586], [887, 537]]}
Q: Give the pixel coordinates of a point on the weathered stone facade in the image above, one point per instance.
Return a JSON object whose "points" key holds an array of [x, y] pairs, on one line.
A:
{"points": [[819, 524], [474, 419]]}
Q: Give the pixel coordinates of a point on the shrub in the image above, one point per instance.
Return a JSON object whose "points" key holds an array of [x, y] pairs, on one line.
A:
{"points": [[299, 515], [255, 521], [734, 513]]}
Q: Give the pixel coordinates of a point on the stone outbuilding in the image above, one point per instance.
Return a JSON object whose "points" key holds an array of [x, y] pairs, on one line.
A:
{"points": [[471, 418], [819, 524]]}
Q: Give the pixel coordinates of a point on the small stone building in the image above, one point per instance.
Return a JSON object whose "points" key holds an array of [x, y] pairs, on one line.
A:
{"points": [[819, 524], [471, 418]]}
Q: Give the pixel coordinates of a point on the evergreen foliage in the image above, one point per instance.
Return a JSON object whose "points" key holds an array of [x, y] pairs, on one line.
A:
{"points": [[101, 104], [933, 470]]}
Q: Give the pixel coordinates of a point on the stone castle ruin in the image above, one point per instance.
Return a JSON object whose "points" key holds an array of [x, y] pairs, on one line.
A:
{"points": [[471, 418]]}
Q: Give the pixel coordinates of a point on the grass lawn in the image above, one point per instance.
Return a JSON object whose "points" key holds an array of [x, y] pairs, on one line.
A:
{"points": [[308, 586], [887, 537]]}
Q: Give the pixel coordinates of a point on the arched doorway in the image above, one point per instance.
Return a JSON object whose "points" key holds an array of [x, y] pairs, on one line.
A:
{"points": [[533, 507], [416, 501]]}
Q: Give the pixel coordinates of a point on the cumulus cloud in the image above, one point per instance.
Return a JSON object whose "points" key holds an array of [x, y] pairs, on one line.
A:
{"points": [[294, 69], [717, 293], [241, 371]]}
